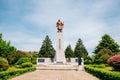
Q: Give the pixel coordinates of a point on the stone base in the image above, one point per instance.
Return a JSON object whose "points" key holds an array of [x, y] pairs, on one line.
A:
{"points": [[49, 61]]}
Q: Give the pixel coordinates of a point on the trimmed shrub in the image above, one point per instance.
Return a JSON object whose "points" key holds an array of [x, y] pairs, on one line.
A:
{"points": [[98, 61], [103, 74], [23, 60], [3, 64], [114, 61], [8, 74], [87, 61], [98, 66], [18, 66], [27, 64]]}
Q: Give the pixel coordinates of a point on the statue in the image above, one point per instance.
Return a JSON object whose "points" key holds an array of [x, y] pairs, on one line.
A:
{"points": [[59, 25]]}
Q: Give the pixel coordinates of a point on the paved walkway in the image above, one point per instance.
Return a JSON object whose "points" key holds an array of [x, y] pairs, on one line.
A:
{"points": [[56, 75]]}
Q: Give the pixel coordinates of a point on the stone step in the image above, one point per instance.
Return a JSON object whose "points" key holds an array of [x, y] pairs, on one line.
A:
{"points": [[56, 67]]}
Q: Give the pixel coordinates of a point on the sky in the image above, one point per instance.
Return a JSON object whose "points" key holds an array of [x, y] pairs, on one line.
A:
{"points": [[27, 22]]}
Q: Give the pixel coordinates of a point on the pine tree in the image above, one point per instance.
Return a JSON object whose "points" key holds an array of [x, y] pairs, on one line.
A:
{"points": [[69, 52], [47, 49], [80, 49], [109, 43]]}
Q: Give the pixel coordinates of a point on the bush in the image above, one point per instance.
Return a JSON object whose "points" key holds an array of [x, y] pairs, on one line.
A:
{"points": [[14, 56], [98, 61], [18, 66], [105, 57], [27, 64], [3, 64], [114, 61], [34, 60], [103, 74], [87, 61], [23, 60], [8, 74], [104, 51]]}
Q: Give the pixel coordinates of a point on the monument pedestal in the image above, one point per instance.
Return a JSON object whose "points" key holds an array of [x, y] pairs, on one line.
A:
{"points": [[60, 56]]}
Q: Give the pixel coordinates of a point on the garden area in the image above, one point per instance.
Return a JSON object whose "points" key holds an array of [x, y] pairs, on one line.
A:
{"points": [[103, 71], [104, 63], [23, 65]]}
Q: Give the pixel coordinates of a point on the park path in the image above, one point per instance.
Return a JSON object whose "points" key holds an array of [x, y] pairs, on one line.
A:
{"points": [[56, 75]]}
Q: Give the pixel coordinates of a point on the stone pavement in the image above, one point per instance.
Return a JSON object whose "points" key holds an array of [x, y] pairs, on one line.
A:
{"points": [[56, 75]]}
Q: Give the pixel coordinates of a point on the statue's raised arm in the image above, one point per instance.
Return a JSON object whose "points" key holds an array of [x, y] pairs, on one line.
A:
{"points": [[59, 25]]}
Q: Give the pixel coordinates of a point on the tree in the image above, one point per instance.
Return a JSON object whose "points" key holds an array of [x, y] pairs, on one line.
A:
{"points": [[14, 56], [109, 43], [80, 49], [47, 49], [69, 52], [104, 54], [5, 47]]}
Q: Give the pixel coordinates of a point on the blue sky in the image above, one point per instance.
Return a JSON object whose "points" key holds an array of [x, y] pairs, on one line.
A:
{"points": [[26, 22]]}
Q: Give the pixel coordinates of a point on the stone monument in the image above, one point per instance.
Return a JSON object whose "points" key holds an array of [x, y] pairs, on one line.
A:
{"points": [[60, 62], [60, 56]]}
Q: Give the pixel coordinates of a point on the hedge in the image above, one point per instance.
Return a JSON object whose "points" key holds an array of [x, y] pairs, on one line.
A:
{"points": [[98, 66], [103, 74], [8, 74], [27, 64], [22, 60]]}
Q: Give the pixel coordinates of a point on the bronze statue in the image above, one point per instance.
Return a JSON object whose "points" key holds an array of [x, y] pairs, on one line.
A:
{"points": [[59, 25]]}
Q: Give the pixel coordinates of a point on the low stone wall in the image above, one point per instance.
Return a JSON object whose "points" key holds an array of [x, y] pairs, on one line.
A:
{"points": [[46, 61]]}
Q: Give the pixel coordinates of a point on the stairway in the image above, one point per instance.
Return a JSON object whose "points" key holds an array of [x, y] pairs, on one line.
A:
{"points": [[56, 67]]}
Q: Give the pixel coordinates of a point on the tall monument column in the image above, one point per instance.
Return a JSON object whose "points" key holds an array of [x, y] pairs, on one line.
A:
{"points": [[60, 56]]}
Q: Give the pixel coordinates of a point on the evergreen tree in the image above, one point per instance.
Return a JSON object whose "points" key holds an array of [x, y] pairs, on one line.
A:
{"points": [[47, 49], [69, 52], [109, 43], [80, 49]]}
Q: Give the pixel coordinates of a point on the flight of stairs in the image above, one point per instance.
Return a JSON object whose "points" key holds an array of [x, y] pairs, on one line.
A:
{"points": [[56, 67]]}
